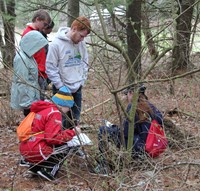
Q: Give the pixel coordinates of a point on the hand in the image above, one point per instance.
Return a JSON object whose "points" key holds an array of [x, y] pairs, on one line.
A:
{"points": [[130, 96], [77, 130]]}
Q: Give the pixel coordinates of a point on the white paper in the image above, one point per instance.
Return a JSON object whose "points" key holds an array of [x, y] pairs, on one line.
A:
{"points": [[83, 138], [107, 123]]}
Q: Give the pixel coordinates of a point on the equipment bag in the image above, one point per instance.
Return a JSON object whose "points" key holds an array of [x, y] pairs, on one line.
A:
{"points": [[24, 130], [156, 142]]}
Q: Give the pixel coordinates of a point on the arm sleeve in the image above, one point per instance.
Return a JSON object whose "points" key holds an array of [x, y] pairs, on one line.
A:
{"points": [[25, 72], [157, 114], [40, 58], [85, 62], [52, 68], [54, 134]]}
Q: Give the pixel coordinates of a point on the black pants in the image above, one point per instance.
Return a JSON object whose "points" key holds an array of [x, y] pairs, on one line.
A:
{"points": [[56, 160], [26, 112], [52, 164]]}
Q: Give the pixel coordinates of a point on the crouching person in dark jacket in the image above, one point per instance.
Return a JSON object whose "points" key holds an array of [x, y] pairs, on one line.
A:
{"points": [[145, 113], [47, 148]]}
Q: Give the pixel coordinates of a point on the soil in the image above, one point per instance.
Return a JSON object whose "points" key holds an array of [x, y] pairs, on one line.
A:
{"points": [[176, 169]]}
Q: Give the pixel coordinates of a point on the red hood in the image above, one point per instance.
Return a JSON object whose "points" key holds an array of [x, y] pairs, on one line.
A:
{"points": [[41, 105]]}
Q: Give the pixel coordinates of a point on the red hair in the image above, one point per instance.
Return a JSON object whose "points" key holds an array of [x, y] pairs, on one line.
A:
{"points": [[82, 23]]}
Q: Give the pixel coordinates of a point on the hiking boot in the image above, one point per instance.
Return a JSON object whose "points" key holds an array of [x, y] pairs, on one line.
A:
{"points": [[24, 163], [31, 171], [43, 172]]}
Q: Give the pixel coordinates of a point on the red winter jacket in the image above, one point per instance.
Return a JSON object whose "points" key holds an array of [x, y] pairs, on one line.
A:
{"points": [[40, 56], [48, 120]]}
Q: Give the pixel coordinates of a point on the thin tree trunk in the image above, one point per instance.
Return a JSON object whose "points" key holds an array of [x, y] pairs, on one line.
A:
{"points": [[147, 34], [72, 10], [8, 17], [133, 16]]}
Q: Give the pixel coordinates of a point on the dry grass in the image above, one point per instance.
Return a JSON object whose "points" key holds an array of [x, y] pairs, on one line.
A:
{"points": [[177, 169]]}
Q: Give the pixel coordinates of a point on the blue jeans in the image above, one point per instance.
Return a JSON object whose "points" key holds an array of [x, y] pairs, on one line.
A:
{"points": [[108, 134], [112, 134], [76, 109]]}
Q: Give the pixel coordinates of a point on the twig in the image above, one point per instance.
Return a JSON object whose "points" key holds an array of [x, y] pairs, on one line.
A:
{"points": [[177, 111], [157, 80], [188, 114], [157, 171], [89, 109]]}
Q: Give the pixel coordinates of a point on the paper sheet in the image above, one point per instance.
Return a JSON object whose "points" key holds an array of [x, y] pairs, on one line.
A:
{"points": [[85, 140]]}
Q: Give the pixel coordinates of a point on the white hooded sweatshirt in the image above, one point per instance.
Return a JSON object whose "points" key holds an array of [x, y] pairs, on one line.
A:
{"points": [[67, 63]]}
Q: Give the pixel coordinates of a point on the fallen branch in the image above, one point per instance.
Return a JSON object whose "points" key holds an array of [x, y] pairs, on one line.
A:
{"points": [[89, 109], [188, 114], [179, 112]]}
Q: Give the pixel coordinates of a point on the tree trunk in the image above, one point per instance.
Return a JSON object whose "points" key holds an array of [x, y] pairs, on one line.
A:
{"points": [[72, 10], [181, 50], [147, 33], [7, 46], [133, 16]]}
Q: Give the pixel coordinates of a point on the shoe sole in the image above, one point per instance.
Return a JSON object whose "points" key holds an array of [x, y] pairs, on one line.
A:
{"points": [[42, 175], [25, 165], [32, 173]]}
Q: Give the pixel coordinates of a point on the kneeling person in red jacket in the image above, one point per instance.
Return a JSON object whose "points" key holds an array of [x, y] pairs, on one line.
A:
{"points": [[47, 149]]}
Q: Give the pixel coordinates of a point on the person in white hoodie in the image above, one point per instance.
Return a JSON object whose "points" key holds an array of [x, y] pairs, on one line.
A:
{"points": [[67, 62]]}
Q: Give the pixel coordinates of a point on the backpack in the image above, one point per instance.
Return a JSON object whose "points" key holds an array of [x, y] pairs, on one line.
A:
{"points": [[156, 141], [24, 130]]}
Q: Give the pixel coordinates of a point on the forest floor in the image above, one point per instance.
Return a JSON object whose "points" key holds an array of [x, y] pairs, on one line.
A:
{"points": [[177, 169]]}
